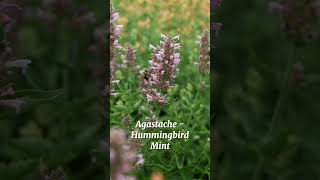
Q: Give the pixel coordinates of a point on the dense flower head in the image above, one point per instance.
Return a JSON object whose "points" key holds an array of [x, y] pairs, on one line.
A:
{"points": [[163, 68], [300, 17], [204, 53], [124, 155]]}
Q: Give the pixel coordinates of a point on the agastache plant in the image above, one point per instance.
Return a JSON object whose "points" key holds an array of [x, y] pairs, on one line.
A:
{"points": [[115, 47], [130, 58], [204, 53], [124, 156], [163, 68]]}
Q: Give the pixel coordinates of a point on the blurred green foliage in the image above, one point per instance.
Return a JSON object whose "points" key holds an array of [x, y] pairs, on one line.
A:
{"points": [[265, 97], [60, 128]]}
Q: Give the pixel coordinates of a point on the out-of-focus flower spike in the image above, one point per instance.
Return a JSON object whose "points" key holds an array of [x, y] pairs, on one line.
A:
{"points": [[204, 53], [123, 155]]}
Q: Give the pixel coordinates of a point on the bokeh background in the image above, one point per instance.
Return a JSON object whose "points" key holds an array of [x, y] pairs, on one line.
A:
{"points": [[265, 89], [60, 131]]}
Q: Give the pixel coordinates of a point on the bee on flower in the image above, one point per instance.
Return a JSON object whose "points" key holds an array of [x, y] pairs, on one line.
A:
{"points": [[161, 74]]}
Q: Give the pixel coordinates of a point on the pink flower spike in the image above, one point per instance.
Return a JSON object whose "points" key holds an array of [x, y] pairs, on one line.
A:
{"points": [[162, 70]]}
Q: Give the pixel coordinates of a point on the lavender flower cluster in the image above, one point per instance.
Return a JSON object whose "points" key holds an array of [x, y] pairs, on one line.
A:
{"points": [[130, 58], [123, 155], [128, 54], [163, 68], [115, 47]]}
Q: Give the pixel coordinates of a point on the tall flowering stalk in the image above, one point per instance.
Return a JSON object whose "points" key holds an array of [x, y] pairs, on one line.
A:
{"points": [[204, 53], [115, 47], [130, 58], [124, 155], [162, 71]]}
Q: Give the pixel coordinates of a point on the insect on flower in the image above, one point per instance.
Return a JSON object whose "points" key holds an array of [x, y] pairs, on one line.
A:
{"points": [[160, 76]]}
